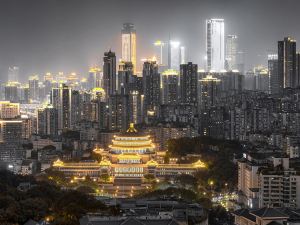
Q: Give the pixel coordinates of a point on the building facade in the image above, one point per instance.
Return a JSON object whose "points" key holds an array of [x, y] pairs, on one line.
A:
{"points": [[215, 44], [129, 44]]}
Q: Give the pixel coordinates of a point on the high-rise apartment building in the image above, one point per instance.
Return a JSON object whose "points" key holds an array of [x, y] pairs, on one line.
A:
{"points": [[215, 46], [13, 74], [61, 100], [275, 84], [279, 185], [262, 80], [188, 83], [47, 121], [129, 44], [159, 55], [182, 55], [176, 55], [10, 140], [11, 92], [118, 116], [170, 87], [231, 52], [125, 78], [151, 89], [209, 91], [9, 110], [297, 69], [109, 73], [10, 131], [95, 78], [33, 83], [287, 62]]}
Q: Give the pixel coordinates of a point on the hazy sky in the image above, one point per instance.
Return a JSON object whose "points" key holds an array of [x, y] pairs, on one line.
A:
{"points": [[71, 35]]}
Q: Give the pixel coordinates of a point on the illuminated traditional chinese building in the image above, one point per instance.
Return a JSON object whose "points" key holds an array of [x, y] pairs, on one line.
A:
{"points": [[128, 159]]}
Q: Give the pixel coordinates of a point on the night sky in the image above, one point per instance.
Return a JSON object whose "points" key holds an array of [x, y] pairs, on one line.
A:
{"points": [[71, 35]]}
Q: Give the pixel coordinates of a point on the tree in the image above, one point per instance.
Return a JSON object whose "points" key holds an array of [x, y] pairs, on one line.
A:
{"points": [[86, 189], [41, 200], [57, 177], [35, 208], [186, 180]]}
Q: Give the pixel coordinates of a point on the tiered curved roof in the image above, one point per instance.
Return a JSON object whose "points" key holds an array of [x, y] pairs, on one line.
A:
{"points": [[132, 140]]}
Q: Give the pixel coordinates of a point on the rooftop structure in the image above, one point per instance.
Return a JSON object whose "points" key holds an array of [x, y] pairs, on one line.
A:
{"points": [[130, 157]]}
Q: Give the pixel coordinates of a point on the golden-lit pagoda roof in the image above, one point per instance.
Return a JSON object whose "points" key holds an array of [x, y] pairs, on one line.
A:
{"points": [[98, 150], [119, 147], [152, 163], [131, 129], [137, 143], [131, 132], [129, 156], [105, 162], [131, 140], [58, 163], [199, 164]]}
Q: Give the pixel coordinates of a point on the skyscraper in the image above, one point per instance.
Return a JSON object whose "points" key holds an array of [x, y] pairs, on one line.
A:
{"points": [[118, 116], [76, 107], [182, 55], [99, 107], [170, 87], [287, 62], [151, 88], [215, 47], [209, 93], [10, 131], [33, 88], [188, 83], [274, 84], [95, 78], [159, 44], [129, 44], [210, 90], [176, 55], [231, 52], [11, 92], [262, 80], [61, 100], [13, 74], [297, 69], [125, 78], [47, 121], [10, 140], [109, 73]]}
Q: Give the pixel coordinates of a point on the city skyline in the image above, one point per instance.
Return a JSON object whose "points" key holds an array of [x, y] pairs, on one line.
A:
{"points": [[145, 112], [75, 39]]}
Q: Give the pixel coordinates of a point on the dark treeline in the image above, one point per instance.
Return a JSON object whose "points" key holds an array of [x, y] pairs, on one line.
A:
{"points": [[217, 154], [42, 201]]}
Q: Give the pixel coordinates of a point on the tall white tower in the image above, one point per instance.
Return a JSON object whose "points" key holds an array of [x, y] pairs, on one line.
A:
{"points": [[13, 74], [174, 55], [129, 44], [215, 47], [231, 52]]}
